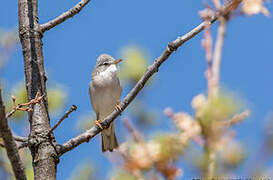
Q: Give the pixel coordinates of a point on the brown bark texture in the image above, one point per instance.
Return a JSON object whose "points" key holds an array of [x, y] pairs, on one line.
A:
{"points": [[10, 144], [42, 146]]}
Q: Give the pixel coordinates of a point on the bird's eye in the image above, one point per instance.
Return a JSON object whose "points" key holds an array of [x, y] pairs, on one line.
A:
{"points": [[105, 63]]}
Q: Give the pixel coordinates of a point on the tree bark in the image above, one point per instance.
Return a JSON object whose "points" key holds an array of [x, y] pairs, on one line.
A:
{"points": [[10, 144], [44, 157]]}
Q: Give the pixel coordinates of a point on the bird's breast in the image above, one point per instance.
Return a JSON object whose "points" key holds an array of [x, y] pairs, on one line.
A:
{"points": [[105, 91], [106, 78]]}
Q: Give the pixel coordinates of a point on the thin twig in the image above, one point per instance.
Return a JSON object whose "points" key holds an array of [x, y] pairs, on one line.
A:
{"points": [[36, 100], [208, 48], [237, 118], [72, 108], [137, 136], [207, 44], [10, 144], [217, 56], [172, 46], [66, 15]]}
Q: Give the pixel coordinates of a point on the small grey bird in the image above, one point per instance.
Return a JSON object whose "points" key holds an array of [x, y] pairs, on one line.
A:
{"points": [[105, 93]]}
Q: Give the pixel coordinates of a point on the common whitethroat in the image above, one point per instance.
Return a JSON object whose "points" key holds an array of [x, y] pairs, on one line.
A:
{"points": [[105, 92]]}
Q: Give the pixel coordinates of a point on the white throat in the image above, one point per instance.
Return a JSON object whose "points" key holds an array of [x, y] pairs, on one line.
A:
{"points": [[112, 70]]}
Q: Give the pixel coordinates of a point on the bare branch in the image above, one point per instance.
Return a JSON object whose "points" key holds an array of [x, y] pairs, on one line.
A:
{"points": [[10, 144], [208, 49], [18, 138], [66, 15], [171, 47], [22, 145], [72, 108], [217, 55], [137, 136]]}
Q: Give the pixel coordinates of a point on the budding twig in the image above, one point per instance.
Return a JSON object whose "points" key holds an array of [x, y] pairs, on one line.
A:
{"points": [[24, 106], [237, 118]]}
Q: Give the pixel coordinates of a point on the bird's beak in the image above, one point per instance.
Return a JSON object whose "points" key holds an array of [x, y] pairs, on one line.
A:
{"points": [[117, 61]]}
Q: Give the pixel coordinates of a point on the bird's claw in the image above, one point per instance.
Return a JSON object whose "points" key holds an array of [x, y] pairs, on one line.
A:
{"points": [[118, 108], [97, 122]]}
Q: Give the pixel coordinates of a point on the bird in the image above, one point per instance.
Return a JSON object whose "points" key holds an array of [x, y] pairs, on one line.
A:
{"points": [[105, 93]]}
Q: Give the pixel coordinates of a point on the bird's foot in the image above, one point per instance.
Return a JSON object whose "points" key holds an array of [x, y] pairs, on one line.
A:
{"points": [[118, 108], [97, 122]]}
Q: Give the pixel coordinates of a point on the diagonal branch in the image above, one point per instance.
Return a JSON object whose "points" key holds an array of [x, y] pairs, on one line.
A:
{"points": [[136, 135], [10, 144], [66, 15], [171, 47], [73, 108]]}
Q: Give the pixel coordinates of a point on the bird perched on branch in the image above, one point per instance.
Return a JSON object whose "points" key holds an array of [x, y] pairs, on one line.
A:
{"points": [[105, 93]]}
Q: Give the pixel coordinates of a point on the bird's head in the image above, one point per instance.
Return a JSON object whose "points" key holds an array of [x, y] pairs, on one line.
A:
{"points": [[106, 62]]}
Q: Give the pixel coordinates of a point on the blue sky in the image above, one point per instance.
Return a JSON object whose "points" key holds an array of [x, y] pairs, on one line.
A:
{"points": [[105, 26]]}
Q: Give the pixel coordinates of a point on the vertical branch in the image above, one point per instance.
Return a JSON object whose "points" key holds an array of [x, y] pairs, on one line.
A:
{"points": [[210, 161], [212, 75], [213, 82], [217, 55], [42, 148], [208, 49], [10, 144], [207, 45]]}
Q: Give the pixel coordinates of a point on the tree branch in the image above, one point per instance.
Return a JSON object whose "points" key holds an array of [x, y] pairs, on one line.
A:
{"points": [[136, 135], [73, 108], [37, 99], [20, 146], [42, 147], [10, 144], [66, 15], [171, 47], [20, 138], [217, 55]]}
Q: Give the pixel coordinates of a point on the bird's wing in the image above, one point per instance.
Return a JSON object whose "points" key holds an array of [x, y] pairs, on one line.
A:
{"points": [[92, 97]]}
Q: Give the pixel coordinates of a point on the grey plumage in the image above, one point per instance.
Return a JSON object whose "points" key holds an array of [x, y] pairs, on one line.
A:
{"points": [[105, 93]]}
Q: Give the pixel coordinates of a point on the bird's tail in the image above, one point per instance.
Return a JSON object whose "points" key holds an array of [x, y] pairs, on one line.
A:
{"points": [[109, 140]]}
